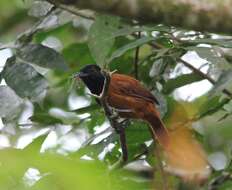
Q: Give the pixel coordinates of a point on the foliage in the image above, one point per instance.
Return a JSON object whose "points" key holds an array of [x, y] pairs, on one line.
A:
{"points": [[39, 100]]}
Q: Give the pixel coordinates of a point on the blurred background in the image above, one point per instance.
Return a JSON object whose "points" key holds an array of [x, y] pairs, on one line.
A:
{"points": [[54, 135]]}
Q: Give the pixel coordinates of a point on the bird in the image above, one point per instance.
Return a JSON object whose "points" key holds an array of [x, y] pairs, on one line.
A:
{"points": [[184, 156], [129, 97]]}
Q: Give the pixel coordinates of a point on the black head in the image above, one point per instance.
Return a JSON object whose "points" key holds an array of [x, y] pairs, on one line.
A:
{"points": [[92, 77]]}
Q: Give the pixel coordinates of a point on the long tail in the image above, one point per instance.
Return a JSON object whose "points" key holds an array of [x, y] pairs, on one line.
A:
{"points": [[159, 131], [184, 156]]}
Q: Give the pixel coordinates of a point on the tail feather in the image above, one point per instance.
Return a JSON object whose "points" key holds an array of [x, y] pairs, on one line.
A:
{"points": [[159, 131], [184, 157]]}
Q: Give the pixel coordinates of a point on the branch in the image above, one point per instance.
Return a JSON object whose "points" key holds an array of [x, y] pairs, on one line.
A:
{"points": [[218, 181], [195, 70], [10, 45], [28, 34], [161, 169], [201, 15], [86, 109], [205, 76], [73, 10]]}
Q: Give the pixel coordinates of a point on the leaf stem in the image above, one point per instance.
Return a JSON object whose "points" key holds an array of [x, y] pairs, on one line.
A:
{"points": [[161, 169], [136, 60]]}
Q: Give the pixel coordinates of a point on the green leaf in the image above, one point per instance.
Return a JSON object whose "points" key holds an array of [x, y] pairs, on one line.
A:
{"points": [[219, 42], [180, 81], [101, 37], [208, 54], [211, 106], [165, 42], [129, 30], [78, 55], [42, 56], [127, 58], [228, 107], [63, 171], [9, 102], [90, 108], [1, 77], [39, 8], [24, 79], [224, 79], [138, 132], [42, 116], [97, 119], [36, 144], [119, 52], [157, 68]]}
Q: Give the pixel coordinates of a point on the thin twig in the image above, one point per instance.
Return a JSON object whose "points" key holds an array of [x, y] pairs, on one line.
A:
{"points": [[89, 140], [203, 75], [10, 45], [28, 34], [160, 165], [120, 164], [71, 10], [218, 181], [195, 70], [136, 60]]}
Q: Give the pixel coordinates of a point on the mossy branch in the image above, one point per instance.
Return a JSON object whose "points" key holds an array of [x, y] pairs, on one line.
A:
{"points": [[201, 15]]}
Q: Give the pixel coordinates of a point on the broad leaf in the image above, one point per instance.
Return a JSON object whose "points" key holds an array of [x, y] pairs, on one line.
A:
{"points": [[180, 81], [64, 172], [228, 107], [100, 37], [0, 77], [208, 54], [211, 106], [219, 42], [39, 8], [119, 52], [138, 132], [42, 56], [24, 79], [224, 79], [157, 68], [78, 55], [36, 144], [129, 30], [42, 116], [9, 102]]}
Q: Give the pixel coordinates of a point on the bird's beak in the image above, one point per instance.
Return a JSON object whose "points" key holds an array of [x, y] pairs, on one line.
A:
{"points": [[79, 75]]}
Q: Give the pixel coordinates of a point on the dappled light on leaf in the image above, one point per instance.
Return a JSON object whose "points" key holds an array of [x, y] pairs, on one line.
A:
{"points": [[29, 82]]}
